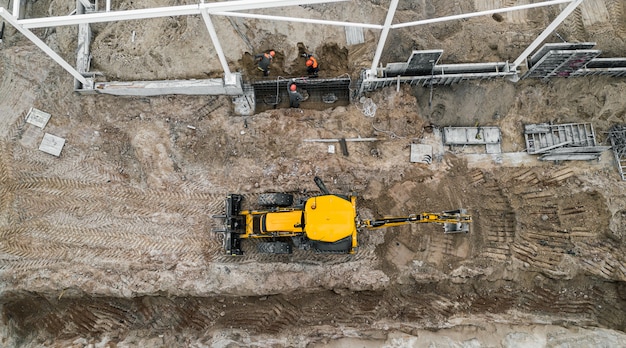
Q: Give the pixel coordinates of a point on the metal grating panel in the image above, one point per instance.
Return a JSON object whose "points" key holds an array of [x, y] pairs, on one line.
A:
{"points": [[561, 63], [541, 138], [618, 72], [615, 67], [560, 46], [368, 85]]}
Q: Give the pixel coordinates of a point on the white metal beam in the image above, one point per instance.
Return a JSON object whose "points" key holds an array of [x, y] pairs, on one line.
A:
{"points": [[555, 23], [157, 12], [298, 20], [391, 12], [16, 8], [228, 77], [479, 13], [86, 4], [110, 16], [32, 37]]}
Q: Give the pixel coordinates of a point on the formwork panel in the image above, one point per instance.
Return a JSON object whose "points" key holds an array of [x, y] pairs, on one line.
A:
{"points": [[422, 62], [559, 46], [561, 63]]}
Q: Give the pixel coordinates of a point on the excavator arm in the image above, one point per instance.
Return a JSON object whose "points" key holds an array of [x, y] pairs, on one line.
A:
{"points": [[454, 221]]}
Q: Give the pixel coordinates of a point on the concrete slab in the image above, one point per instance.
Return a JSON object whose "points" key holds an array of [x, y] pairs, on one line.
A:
{"points": [[435, 142], [244, 104], [37, 117], [165, 87], [52, 144], [421, 153], [493, 148], [471, 135]]}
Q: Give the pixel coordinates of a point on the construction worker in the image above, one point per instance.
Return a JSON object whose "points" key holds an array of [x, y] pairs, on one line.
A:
{"points": [[264, 60], [294, 96], [312, 67]]}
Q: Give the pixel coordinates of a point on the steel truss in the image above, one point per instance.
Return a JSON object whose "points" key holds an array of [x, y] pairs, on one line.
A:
{"points": [[233, 8]]}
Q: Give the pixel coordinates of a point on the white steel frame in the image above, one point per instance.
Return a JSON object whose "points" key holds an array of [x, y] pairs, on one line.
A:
{"points": [[229, 8]]}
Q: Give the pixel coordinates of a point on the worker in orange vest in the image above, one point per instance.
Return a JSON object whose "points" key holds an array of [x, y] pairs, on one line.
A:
{"points": [[312, 66], [264, 60]]}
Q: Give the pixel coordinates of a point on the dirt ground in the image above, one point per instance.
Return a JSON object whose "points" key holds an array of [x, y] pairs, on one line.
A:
{"points": [[110, 244]]}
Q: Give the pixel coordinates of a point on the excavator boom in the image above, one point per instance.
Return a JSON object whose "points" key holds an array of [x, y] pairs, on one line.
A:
{"points": [[454, 221]]}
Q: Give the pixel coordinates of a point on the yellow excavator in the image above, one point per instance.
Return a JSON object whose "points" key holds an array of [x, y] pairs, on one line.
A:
{"points": [[325, 223]]}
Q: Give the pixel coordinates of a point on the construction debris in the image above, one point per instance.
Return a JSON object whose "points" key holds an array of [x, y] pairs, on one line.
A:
{"points": [[52, 144], [37, 117], [563, 142], [421, 153], [617, 137], [343, 146]]}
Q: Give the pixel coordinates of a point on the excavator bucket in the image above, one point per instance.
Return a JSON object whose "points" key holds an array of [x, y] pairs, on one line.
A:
{"points": [[234, 224], [462, 226]]}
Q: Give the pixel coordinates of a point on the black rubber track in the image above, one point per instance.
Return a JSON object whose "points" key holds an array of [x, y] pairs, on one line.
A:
{"points": [[275, 199]]}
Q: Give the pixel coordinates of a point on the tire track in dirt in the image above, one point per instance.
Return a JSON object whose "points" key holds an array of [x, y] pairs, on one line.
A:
{"points": [[617, 16], [575, 25], [366, 253], [497, 225], [603, 259], [560, 230]]}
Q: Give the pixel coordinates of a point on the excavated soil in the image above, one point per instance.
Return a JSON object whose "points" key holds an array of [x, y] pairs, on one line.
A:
{"points": [[110, 244]]}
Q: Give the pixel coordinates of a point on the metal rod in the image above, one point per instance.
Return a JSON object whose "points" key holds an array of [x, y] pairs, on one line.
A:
{"points": [[557, 21], [337, 140], [299, 20], [29, 34], [479, 13], [108, 8], [383, 35], [228, 77]]}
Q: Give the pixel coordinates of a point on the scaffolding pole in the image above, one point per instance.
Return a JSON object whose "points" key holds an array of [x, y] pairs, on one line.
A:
{"points": [[229, 79], [391, 12], [42, 45]]}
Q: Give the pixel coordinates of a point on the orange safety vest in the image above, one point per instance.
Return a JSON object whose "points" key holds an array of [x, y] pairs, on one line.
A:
{"points": [[314, 62]]}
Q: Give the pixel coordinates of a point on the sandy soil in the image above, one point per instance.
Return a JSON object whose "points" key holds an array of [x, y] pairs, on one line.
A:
{"points": [[110, 244]]}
